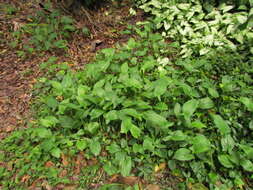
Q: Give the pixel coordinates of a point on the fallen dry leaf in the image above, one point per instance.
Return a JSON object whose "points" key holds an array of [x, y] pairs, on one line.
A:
{"points": [[130, 180], [17, 25], [1, 110], [34, 184], [80, 161], [64, 160], [70, 187], [152, 187], [160, 167], [63, 173], [9, 129], [46, 185], [49, 164], [114, 178], [25, 178]]}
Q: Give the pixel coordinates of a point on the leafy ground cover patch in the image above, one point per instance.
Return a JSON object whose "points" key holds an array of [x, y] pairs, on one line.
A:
{"points": [[201, 27], [138, 114], [137, 107]]}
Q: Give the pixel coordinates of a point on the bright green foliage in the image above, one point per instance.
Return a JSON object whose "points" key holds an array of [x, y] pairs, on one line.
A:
{"points": [[143, 107], [200, 27]]}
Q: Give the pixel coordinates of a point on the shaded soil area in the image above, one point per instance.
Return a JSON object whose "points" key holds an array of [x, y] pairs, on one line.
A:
{"points": [[19, 74]]}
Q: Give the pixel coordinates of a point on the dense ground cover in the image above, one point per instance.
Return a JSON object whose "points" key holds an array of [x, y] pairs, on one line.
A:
{"points": [[140, 109]]}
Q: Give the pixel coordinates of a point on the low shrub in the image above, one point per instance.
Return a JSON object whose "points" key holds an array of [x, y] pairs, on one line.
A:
{"points": [[200, 27], [137, 106], [46, 31]]}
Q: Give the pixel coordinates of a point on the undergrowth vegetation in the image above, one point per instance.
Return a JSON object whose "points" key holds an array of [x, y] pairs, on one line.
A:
{"points": [[48, 31], [142, 104], [201, 27]]}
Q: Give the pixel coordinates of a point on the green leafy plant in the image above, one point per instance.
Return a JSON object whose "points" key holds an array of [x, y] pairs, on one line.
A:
{"points": [[137, 106], [200, 27], [47, 32]]}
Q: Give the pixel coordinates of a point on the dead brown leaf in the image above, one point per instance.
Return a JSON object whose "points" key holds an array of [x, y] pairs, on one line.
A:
{"points": [[25, 178], [80, 161], [64, 160], [114, 178], [1, 110], [152, 187], [130, 180], [49, 164], [63, 173], [9, 129], [34, 184], [160, 167], [92, 162], [9, 166], [70, 187], [46, 185]]}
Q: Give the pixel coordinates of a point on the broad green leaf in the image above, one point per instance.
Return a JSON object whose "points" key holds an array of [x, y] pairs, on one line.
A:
{"points": [[161, 106], [190, 91], [206, 103], [131, 112], [200, 144], [51, 102], [248, 103], [247, 165], [113, 148], [108, 52], [81, 144], [109, 168], [82, 90], [49, 121], [251, 124], [124, 68], [176, 136], [48, 144], [213, 92], [95, 147], [198, 124], [131, 43], [66, 121], [225, 161], [183, 154], [92, 127], [160, 86], [138, 148], [56, 152], [177, 109], [248, 150], [135, 131], [126, 124], [43, 132], [111, 116], [242, 19], [157, 120], [184, 6], [148, 144], [126, 166], [67, 81], [221, 125], [95, 113], [189, 108], [198, 186], [227, 143]]}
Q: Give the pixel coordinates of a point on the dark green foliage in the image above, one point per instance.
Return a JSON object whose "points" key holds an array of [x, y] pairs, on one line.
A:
{"points": [[143, 107], [47, 32]]}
